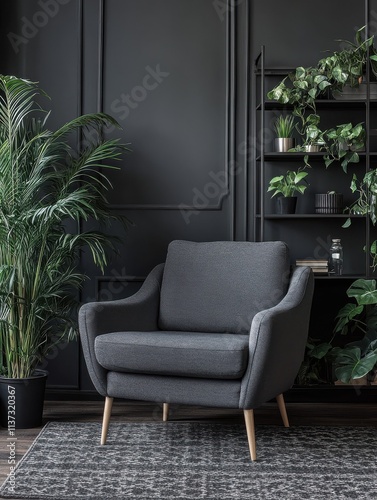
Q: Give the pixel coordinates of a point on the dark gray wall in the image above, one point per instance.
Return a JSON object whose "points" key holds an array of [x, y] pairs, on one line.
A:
{"points": [[174, 74], [177, 76]]}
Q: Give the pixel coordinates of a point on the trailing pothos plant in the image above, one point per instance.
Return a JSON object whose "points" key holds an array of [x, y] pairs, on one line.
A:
{"points": [[44, 184], [342, 144], [348, 66], [303, 87], [366, 201], [306, 85]]}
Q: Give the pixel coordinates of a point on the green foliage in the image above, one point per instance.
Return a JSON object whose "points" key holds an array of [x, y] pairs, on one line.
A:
{"points": [[288, 184], [347, 66], [315, 367], [284, 126], [342, 143], [352, 363], [45, 183], [304, 86], [356, 359], [359, 358], [301, 89], [365, 203]]}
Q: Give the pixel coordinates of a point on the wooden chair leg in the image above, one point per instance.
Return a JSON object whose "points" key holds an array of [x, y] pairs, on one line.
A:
{"points": [[106, 419], [165, 412], [283, 410], [250, 429]]}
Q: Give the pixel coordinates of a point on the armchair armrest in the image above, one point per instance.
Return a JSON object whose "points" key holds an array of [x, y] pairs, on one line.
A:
{"points": [[136, 313], [277, 343]]}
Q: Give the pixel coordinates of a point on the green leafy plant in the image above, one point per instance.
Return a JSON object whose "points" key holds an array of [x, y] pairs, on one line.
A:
{"points": [[347, 66], [288, 184], [45, 183], [358, 358], [342, 144], [284, 126], [302, 88], [366, 202], [316, 367]]}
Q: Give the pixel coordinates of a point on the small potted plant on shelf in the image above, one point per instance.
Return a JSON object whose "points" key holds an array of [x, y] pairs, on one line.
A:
{"points": [[287, 185], [284, 126], [314, 137]]}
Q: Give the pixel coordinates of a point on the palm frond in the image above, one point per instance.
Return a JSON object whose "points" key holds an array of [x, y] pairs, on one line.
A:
{"points": [[45, 182]]}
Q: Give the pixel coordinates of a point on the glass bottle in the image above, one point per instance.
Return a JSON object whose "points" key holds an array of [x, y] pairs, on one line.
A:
{"points": [[336, 258]]}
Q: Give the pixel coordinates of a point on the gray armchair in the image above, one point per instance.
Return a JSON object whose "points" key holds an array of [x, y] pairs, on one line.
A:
{"points": [[219, 324]]}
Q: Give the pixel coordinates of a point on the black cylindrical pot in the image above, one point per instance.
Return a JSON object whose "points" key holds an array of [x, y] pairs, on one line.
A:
{"points": [[286, 205], [21, 401], [329, 203]]}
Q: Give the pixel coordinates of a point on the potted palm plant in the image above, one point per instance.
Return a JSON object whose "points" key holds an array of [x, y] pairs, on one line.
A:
{"points": [[287, 185], [44, 183]]}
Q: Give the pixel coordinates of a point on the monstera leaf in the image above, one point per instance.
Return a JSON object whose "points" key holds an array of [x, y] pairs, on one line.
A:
{"points": [[352, 365], [345, 315], [364, 291]]}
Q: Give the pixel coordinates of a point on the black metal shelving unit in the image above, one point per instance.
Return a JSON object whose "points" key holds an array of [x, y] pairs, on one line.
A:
{"points": [[263, 156], [267, 162]]}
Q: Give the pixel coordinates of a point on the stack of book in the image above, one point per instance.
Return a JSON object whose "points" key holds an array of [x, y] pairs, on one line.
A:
{"points": [[318, 266]]}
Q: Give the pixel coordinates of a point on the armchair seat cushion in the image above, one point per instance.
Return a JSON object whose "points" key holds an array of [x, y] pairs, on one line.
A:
{"points": [[186, 354]]}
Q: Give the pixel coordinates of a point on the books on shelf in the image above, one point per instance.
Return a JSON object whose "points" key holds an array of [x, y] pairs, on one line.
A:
{"points": [[320, 270], [317, 266]]}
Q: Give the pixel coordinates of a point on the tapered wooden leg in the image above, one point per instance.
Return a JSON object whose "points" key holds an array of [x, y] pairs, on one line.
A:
{"points": [[106, 419], [283, 410], [165, 412], [250, 429]]}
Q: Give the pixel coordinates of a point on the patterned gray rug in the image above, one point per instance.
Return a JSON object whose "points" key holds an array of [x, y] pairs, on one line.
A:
{"points": [[194, 461]]}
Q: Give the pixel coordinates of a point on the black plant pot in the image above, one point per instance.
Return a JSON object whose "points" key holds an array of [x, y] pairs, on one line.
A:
{"points": [[329, 203], [21, 401], [286, 205]]}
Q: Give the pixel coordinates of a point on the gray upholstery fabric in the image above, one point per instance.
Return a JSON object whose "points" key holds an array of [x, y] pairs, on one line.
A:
{"points": [[277, 343], [137, 313], [182, 390], [220, 286], [187, 354]]}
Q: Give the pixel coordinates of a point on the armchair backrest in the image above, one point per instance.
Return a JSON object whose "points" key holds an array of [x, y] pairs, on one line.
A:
{"points": [[220, 286]]}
